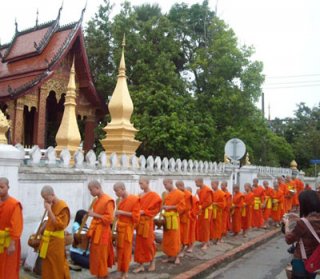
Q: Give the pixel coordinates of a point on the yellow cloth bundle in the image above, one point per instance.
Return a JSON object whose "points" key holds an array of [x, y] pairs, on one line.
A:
{"points": [[4, 239], [45, 241]]}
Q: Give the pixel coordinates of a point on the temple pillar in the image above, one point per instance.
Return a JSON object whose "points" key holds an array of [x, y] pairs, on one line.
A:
{"points": [[90, 124], [12, 114], [18, 125], [41, 117]]}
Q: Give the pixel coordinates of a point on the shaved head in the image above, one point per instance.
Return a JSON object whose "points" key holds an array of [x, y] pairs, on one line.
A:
{"points": [[94, 183], [47, 190], [4, 180], [119, 185]]}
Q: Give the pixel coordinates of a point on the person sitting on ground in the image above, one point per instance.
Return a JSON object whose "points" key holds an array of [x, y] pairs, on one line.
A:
{"points": [[309, 209], [80, 254]]}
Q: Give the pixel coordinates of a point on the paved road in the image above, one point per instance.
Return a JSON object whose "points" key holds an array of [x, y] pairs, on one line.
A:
{"points": [[265, 262]]}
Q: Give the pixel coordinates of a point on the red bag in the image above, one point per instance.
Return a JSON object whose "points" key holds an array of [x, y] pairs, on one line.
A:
{"points": [[312, 264]]}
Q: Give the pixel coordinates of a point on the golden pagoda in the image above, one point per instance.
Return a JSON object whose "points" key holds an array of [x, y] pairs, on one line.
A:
{"points": [[120, 132], [68, 135]]}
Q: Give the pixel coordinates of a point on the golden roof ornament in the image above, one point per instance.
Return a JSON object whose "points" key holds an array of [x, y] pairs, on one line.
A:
{"points": [[293, 165], [247, 161], [68, 135], [226, 160], [120, 132], [4, 126]]}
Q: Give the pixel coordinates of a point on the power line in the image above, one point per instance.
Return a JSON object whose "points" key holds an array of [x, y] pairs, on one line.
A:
{"points": [[293, 76], [293, 82], [294, 86]]}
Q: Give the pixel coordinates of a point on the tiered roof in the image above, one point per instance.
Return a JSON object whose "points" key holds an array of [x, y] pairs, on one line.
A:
{"points": [[34, 54]]}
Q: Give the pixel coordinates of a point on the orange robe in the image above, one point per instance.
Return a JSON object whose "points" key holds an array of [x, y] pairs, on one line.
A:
{"points": [[226, 225], [101, 249], [218, 205], [125, 228], [193, 219], [54, 262], [185, 219], [171, 243], [284, 189], [277, 205], [290, 195], [257, 216], [205, 203], [299, 185], [247, 212], [237, 208], [268, 193], [145, 248], [11, 223]]}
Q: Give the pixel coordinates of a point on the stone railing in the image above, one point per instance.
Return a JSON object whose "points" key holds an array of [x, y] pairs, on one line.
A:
{"points": [[40, 157]]}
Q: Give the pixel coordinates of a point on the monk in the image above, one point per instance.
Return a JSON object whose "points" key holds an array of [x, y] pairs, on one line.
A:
{"points": [[184, 217], [226, 225], [11, 224], [101, 249], [193, 220], [128, 215], [283, 187], [205, 215], [52, 250], [145, 248], [236, 209], [299, 186], [247, 209], [218, 205], [290, 194], [258, 192], [267, 205], [277, 204], [173, 205]]}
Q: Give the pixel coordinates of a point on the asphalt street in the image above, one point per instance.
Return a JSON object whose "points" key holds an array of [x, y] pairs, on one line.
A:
{"points": [[267, 261]]}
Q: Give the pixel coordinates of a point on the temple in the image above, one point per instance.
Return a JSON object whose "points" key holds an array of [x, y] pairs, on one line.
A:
{"points": [[34, 73]]}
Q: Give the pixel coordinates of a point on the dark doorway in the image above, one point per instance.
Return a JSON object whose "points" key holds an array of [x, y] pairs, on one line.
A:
{"points": [[28, 120]]}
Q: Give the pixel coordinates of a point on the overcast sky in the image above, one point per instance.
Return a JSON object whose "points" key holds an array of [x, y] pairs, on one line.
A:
{"points": [[285, 34]]}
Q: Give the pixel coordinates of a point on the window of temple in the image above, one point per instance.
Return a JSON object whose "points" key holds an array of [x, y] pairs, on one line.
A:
{"points": [[29, 126]]}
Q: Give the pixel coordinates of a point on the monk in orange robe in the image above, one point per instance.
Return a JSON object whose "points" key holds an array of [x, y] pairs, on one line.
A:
{"points": [[218, 205], [283, 187], [145, 248], [277, 203], [193, 220], [128, 214], [226, 224], [52, 246], [11, 224], [299, 186], [258, 192], [205, 215], [236, 209], [173, 205], [267, 205], [184, 217], [247, 209], [291, 193], [101, 249]]}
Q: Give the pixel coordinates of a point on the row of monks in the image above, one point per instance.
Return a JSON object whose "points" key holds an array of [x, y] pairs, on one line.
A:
{"points": [[205, 217]]}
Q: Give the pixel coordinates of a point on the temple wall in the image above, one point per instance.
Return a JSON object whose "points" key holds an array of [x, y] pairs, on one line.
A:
{"points": [[35, 168]]}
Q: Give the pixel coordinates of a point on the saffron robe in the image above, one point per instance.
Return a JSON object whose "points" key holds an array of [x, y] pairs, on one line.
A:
{"points": [[237, 207], [193, 220], [277, 205], [247, 211], [185, 219], [218, 205], [55, 264], [226, 224], [257, 216], [101, 249], [284, 189], [204, 219], [12, 222], [125, 228], [299, 186], [268, 192], [145, 248], [290, 195], [171, 243]]}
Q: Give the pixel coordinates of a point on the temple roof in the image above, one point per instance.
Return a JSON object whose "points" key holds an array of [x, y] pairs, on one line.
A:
{"points": [[34, 54]]}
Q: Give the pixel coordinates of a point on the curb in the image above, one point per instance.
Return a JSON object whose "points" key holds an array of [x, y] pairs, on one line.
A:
{"points": [[228, 256]]}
